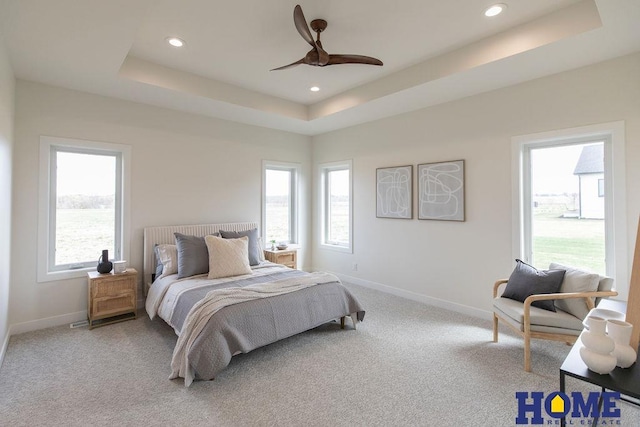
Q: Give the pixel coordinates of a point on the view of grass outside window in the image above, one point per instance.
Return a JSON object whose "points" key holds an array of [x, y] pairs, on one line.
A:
{"points": [[85, 217], [278, 205], [338, 207], [568, 215]]}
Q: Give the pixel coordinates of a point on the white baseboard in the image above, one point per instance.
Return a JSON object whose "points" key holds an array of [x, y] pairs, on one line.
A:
{"points": [[437, 302], [48, 322]]}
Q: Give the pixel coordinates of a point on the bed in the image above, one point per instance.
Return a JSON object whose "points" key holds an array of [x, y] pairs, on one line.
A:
{"points": [[241, 303]]}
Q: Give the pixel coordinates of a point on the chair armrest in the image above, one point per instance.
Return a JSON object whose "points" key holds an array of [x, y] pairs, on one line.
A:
{"points": [[568, 295], [497, 285]]}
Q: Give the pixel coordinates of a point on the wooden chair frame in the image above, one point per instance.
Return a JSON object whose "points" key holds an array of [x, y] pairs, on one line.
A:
{"points": [[527, 334]]}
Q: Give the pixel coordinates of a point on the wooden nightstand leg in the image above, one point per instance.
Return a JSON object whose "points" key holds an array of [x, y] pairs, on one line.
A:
{"points": [[342, 322]]}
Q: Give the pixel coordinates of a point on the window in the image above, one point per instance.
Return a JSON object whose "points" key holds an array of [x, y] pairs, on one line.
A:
{"points": [[567, 218], [559, 216], [82, 205], [279, 202], [337, 206]]}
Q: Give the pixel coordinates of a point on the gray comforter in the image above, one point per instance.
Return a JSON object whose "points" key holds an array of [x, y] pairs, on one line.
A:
{"points": [[243, 327]]}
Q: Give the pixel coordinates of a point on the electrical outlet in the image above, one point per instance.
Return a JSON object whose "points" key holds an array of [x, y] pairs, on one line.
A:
{"points": [[354, 266]]}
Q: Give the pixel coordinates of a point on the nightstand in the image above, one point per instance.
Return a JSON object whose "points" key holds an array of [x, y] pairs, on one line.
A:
{"points": [[286, 257], [112, 297]]}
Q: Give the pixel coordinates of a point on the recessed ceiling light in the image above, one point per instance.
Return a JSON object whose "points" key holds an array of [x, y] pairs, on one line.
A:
{"points": [[175, 41], [494, 10], [314, 88]]}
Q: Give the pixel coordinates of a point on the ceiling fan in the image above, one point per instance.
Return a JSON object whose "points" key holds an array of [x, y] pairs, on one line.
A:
{"points": [[318, 56]]}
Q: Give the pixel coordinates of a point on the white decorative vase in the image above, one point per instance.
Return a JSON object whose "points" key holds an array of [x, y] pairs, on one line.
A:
{"points": [[620, 332], [597, 346]]}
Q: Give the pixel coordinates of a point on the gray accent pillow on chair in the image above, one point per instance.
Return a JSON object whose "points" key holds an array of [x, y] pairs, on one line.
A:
{"points": [[575, 280], [254, 244], [527, 280], [193, 257]]}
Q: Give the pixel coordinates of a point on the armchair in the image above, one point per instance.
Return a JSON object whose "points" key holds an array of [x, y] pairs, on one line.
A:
{"points": [[532, 322]]}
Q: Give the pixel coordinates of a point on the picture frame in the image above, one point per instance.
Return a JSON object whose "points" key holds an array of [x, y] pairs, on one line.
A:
{"points": [[441, 191], [394, 192]]}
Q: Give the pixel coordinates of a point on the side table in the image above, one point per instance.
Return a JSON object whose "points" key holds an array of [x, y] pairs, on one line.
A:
{"points": [[626, 381], [111, 297], [286, 257]]}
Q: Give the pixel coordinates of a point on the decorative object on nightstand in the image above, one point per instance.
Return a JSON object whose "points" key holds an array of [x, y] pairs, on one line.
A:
{"points": [[282, 246], [273, 244], [112, 297], [286, 257], [104, 265], [119, 267]]}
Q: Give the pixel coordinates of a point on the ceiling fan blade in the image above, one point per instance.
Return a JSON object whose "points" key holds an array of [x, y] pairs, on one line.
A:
{"points": [[353, 59], [302, 27], [293, 64]]}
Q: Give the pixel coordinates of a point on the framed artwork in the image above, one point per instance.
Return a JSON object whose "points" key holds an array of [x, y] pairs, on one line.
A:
{"points": [[441, 191], [394, 192]]}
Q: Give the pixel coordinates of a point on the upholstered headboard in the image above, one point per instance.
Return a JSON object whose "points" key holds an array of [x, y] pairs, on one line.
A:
{"points": [[164, 235]]}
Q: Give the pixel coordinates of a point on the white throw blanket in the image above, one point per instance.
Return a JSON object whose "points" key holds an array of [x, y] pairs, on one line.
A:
{"points": [[216, 300]]}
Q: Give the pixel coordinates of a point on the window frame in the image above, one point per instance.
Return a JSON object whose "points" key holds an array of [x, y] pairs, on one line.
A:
{"points": [[324, 171], [49, 147], [615, 187], [294, 212]]}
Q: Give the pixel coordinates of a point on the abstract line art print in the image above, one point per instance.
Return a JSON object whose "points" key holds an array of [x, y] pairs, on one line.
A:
{"points": [[394, 192], [441, 191]]}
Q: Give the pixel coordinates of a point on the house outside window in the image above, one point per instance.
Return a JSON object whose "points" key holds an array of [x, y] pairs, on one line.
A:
{"points": [[82, 205], [336, 206], [601, 188]]}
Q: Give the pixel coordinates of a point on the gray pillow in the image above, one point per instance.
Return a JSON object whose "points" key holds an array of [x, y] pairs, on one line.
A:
{"points": [[254, 244], [527, 280], [193, 257]]}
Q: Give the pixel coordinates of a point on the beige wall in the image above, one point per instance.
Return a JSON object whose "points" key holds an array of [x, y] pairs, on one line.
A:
{"points": [[458, 262], [213, 167], [186, 169], [7, 89]]}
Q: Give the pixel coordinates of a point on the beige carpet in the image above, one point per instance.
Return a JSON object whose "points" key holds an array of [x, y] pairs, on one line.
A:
{"points": [[407, 364]]}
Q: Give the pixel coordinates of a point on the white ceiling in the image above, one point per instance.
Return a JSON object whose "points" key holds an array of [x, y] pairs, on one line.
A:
{"points": [[433, 52]]}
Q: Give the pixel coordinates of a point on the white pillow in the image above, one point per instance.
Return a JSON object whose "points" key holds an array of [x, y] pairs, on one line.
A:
{"points": [[575, 280], [168, 256], [261, 246], [227, 257]]}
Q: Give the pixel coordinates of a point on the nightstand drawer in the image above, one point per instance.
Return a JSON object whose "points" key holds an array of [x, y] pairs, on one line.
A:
{"points": [[289, 258], [113, 305], [114, 286]]}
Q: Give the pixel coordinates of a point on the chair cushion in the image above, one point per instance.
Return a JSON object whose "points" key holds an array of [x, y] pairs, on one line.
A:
{"points": [[605, 284], [541, 320], [526, 280], [575, 280]]}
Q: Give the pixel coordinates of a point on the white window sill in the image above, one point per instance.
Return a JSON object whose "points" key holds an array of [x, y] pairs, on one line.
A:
{"points": [[336, 248], [53, 276]]}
